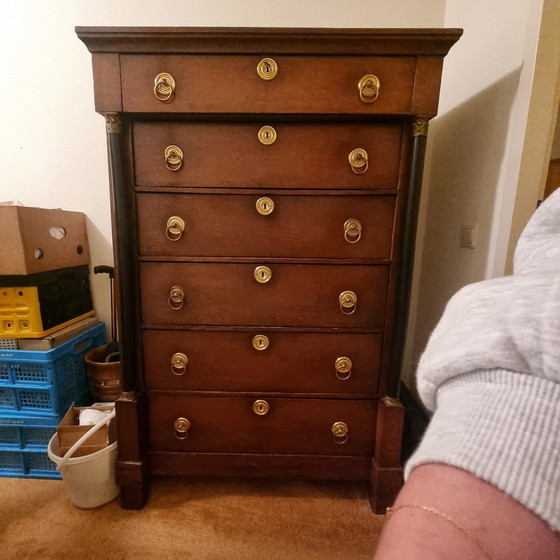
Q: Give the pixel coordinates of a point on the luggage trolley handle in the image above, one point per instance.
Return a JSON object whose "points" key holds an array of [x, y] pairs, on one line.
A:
{"points": [[110, 270]]}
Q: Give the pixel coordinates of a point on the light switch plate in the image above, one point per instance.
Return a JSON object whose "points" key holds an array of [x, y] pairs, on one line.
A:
{"points": [[468, 236]]}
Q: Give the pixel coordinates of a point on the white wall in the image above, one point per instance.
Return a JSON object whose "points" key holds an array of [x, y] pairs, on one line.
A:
{"points": [[52, 149], [474, 154]]}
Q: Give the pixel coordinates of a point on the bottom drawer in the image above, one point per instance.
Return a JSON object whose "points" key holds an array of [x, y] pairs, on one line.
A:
{"points": [[233, 425]]}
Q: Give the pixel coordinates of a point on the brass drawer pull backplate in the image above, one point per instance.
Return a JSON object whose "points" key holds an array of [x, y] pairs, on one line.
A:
{"points": [[164, 87], [175, 228], [352, 230], [173, 157], [340, 432], [343, 368], [348, 301], [182, 427], [369, 87], [176, 298], [358, 159], [179, 363]]}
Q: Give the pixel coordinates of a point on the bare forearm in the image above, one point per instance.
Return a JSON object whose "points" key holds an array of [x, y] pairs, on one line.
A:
{"points": [[446, 513]]}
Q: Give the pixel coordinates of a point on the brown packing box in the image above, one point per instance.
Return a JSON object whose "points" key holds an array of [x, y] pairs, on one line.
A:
{"points": [[37, 239], [59, 337], [69, 432]]}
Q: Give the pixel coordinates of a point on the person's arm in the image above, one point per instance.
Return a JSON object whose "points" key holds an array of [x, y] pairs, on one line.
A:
{"points": [[446, 513]]}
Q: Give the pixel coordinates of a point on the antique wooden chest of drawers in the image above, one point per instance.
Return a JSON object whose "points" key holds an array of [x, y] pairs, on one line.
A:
{"points": [[265, 187]]}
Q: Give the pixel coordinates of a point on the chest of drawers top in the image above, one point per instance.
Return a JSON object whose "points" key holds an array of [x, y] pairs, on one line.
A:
{"points": [[268, 71]]}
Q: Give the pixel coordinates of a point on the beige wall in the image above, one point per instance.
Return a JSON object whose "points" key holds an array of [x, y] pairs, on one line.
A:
{"points": [[474, 155], [53, 144]]}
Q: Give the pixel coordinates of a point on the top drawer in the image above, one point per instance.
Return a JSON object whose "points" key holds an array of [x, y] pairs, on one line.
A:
{"points": [[302, 84]]}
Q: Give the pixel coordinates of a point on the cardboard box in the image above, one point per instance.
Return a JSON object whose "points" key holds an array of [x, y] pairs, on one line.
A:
{"points": [[57, 338], [69, 432], [37, 239]]}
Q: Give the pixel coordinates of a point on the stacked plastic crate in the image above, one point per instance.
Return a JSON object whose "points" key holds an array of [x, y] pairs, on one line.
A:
{"points": [[47, 325]]}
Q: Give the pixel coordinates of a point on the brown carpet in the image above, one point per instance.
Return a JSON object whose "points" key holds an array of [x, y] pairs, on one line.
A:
{"points": [[199, 520]]}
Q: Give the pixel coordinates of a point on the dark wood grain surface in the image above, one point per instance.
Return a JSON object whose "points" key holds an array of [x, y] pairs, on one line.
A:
{"points": [[303, 156], [229, 425], [297, 295], [294, 362], [299, 226]]}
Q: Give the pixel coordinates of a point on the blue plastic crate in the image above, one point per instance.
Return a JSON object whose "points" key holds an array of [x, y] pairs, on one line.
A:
{"points": [[23, 446], [46, 383], [27, 464], [27, 432]]}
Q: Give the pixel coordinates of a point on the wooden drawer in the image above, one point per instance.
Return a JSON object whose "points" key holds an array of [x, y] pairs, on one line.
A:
{"points": [[231, 84], [231, 155], [295, 296], [291, 362], [299, 226], [229, 425]]}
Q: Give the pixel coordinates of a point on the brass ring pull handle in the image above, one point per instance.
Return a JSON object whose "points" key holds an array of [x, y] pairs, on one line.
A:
{"points": [[176, 298], [267, 135], [175, 228], [369, 87], [173, 157], [358, 159], [267, 69], [348, 301], [265, 206], [182, 427], [343, 367], [260, 342], [352, 230], [179, 363], [262, 274], [261, 407], [340, 432], [164, 87]]}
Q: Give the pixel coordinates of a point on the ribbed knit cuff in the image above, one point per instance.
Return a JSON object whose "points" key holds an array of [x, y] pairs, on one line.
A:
{"points": [[503, 427]]}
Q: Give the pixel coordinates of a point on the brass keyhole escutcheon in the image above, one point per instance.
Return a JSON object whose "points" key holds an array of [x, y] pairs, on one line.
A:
{"points": [[343, 367], [369, 87], [182, 427], [352, 230], [179, 363], [261, 407], [173, 158], [262, 274], [358, 159], [267, 69], [340, 432], [260, 342], [164, 87], [176, 298], [348, 301], [175, 228], [267, 135], [265, 206]]}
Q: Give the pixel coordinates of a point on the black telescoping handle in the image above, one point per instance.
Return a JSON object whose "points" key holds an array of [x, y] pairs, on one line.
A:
{"points": [[104, 269]]}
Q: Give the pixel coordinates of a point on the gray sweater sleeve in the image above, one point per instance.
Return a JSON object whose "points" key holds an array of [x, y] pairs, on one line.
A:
{"points": [[491, 375]]}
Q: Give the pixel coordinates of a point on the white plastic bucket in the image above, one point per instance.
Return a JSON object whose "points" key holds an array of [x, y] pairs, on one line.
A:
{"points": [[90, 480]]}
